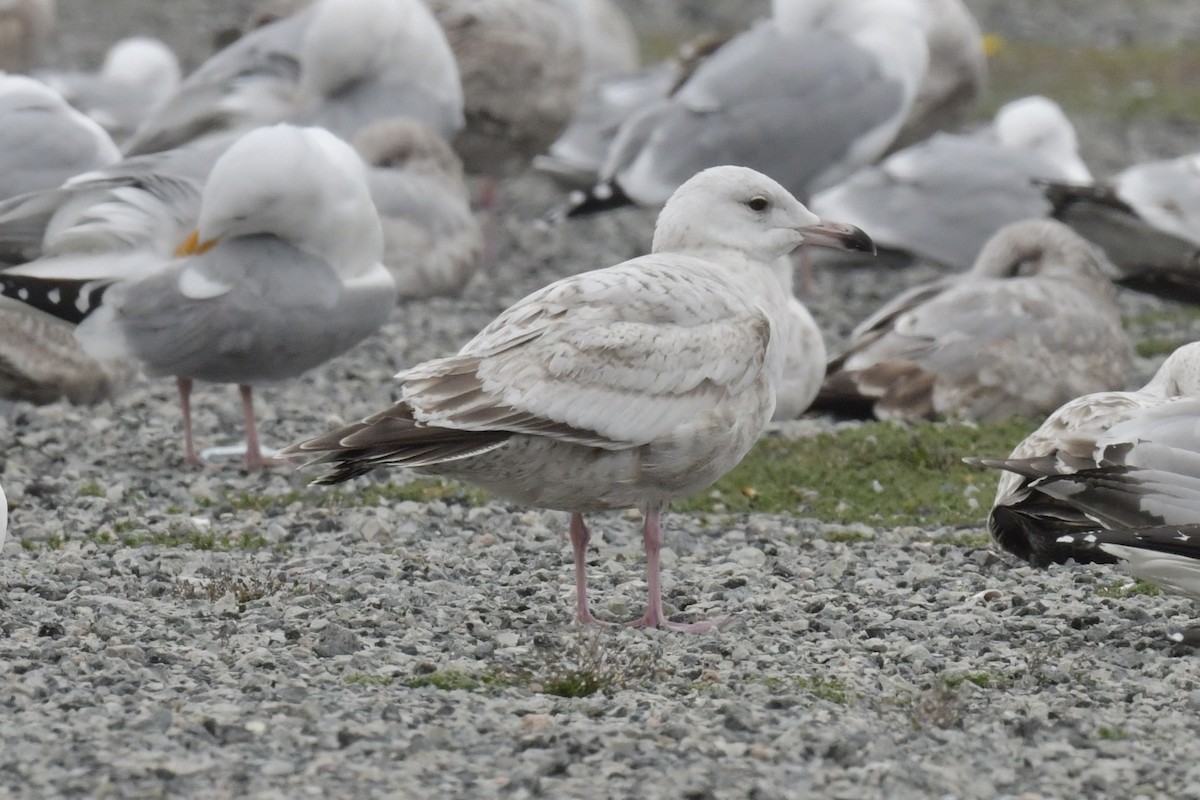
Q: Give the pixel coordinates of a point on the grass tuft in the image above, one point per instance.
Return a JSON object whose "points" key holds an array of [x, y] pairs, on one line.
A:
{"points": [[836, 477]]}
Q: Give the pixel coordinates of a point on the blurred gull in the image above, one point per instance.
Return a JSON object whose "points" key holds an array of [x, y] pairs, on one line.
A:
{"points": [[942, 199], [623, 387], [956, 74], [807, 97], [43, 141], [281, 274], [432, 243], [1111, 477], [138, 73], [338, 64], [1147, 219], [1033, 324]]}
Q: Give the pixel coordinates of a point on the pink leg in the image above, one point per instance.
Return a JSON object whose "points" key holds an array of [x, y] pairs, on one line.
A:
{"points": [[254, 456], [579, 543], [654, 617], [184, 385]]}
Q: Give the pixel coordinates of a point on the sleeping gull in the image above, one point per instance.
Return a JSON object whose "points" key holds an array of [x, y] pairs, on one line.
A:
{"points": [[281, 274], [432, 242], [337, 64], [623, 387], [1105, 478], [1147, 219], [806, 97], [1033, 324], [43, 141], [942, 199]]}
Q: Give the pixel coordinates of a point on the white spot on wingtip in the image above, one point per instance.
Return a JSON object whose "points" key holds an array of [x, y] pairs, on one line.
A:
{"points": [[54, 296], [1065, 539], [602, 192], [1090, 538], [22, 293]]}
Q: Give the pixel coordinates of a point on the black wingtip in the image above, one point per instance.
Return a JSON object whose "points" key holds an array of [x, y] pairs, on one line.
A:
{"points": [[69, 300], [603, 196]]}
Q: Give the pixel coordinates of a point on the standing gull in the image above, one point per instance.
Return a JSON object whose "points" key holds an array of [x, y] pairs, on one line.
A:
{"points": [[1111, 477], [1033, 324], [281, 274], [624, 387]]}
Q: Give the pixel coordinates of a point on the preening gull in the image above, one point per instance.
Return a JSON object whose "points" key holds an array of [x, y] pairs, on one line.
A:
{"points": [[623, 387], [43, 141], [806, 97], [337, 64], [1111, 477], [432, 242], [138, 73], [1033, 324], [1147, 219], [941, 200], [281, 274]]}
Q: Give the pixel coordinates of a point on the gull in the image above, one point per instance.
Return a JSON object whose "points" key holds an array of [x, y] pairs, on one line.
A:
{"points": [[1111, 477], [281, 273], [956, 75], [1033, 324], [432, 242], [337, 64], [942, 199], [1147, 219], [138, 73], [622, 387], [807, 97], [43, 141]]}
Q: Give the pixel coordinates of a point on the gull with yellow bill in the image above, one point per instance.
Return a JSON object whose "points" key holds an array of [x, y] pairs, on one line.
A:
{"points": [[282, 273]]}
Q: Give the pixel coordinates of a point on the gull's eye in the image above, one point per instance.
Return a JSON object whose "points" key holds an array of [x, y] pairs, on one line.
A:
{"points": [[758, 203]]}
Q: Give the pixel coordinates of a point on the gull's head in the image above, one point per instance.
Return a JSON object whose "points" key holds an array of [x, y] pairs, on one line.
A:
{"points": [[1037, 124], [738, 209], [303, 185], [143, 61]]}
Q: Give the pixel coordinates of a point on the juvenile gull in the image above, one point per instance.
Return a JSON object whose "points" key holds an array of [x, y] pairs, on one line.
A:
{"points": [[942, 199], [623, 387], [1111, 477], [1033, 324], [432, 242], [806, 97], [281, 274]]}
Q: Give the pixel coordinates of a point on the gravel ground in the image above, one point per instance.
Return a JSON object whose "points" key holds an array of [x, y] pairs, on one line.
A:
{"points": [[287, 659]]}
